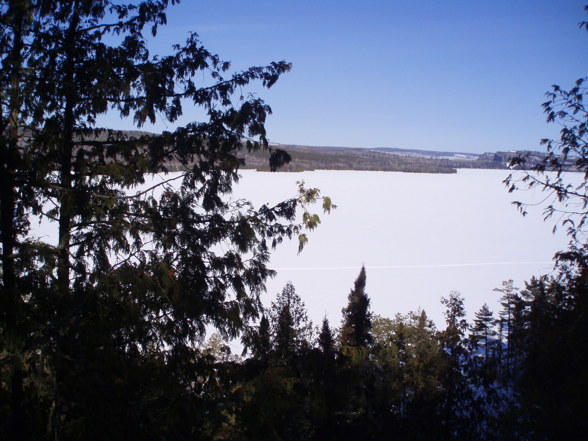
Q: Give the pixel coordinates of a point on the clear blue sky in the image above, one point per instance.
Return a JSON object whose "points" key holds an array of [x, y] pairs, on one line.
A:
{"points": [[455, 75]]}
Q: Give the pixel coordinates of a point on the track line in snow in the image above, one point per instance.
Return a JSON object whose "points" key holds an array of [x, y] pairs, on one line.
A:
{"points": [[442, 265]]}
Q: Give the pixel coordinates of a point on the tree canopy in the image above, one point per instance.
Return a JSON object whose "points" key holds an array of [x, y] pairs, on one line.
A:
{"points": [[144, 260], [102, 330]]}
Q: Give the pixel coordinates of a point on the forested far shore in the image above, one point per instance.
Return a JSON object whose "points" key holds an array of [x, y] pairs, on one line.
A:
{"points": [[306, 158], [309, 158]]}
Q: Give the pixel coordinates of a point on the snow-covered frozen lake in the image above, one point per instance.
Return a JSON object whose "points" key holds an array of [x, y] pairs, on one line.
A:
{"points": [[420, 237]]}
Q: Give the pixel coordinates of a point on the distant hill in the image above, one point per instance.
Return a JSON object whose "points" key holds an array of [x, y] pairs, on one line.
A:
{"points": [[429, 153], [374, 159]]}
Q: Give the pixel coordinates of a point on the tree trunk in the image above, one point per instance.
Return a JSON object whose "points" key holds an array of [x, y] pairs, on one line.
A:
{"points": [[11, 303], [66, 213]]}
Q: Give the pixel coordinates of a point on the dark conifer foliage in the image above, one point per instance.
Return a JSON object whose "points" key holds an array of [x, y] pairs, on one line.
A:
{"points": [[456, 407], [417, 383], [102, 332], [357, 322], [104, 324], [290, 328], [257, 339], [509, 300], [483, 334], [326, 341], [552, 358]]}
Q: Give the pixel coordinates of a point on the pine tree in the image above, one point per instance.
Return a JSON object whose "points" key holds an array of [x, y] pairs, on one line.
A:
{"points": [[107, 318], [568, 357], [457, 407], [483, 335], [264, 343], [257, 339], [358, 381], [326, 340], [357, 318], [291, 329], [549, 375], [509, 300], [419, 377]]}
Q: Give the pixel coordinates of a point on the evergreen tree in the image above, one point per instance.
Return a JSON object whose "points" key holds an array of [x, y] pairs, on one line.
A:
{"points": [[356, 326], [280, 398], [357, 406], [483, 333], [257, 339], [548, 336], [492, 397], [457, 410], [102, 326], [264, 344], [326, 341], [291, 329], [509, 300], [551, 370]]}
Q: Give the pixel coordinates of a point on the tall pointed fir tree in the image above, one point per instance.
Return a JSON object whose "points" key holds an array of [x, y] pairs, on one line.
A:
{"points": [[264, 344], [101, 324], [356, 326], [326, 341], [356, 377]]}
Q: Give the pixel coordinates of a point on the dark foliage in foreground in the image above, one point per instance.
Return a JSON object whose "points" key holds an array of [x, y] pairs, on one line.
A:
{"points": [[504, 377], [102, 333], [99, 330]]}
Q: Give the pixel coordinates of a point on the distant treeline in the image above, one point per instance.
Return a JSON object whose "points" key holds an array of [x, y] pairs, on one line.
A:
{"points": [[361, 159], [309, 158]]}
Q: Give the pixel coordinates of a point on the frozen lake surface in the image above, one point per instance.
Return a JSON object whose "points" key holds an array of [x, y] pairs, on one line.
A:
{"points": [[420, 237]]}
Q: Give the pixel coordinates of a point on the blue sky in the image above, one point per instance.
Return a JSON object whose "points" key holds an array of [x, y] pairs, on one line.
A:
{"points": [[455, 75]]}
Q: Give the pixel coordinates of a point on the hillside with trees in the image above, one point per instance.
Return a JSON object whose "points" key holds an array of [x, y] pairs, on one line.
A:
{"points": [[364, 159], [119, 328], [383, 159], [309, 158]]}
